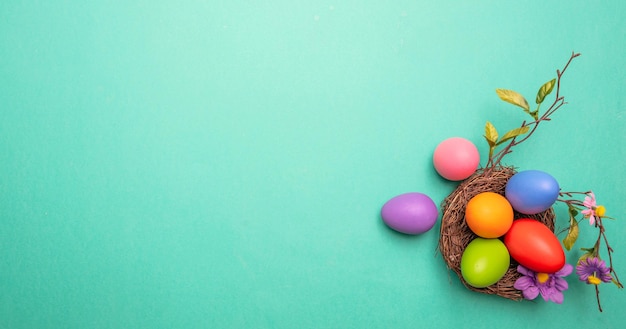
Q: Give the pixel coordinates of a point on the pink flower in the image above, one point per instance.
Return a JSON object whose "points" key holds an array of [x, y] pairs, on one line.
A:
{"points": [[590, 205]]}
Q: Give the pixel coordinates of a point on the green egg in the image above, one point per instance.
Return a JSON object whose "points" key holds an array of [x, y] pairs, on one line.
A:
{"points": [[484, 262]]}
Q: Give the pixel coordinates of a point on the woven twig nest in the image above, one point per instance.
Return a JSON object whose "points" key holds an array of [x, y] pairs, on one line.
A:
{"points": [[456, 235]]}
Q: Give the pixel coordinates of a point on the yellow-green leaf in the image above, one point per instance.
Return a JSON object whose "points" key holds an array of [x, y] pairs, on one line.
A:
{"points": [[545, 90], [588, 253], [513, 133], [513, 97], [572, 235], [491, 134], [573, 212]]}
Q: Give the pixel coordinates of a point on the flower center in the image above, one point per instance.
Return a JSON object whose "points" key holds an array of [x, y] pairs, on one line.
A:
{"points": [[600, 210], [593, 280], [542, 277]]}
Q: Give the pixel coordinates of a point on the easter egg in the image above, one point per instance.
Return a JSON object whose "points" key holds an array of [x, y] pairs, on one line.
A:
{"points": [[489, 215], [410, 213], [534, 246], [484, 262], [456, 158], [531, 191]]}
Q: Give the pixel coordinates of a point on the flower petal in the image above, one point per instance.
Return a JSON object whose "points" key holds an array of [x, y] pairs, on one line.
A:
{"points": [[606, 278], [590, 200], [557, 297], [560, 284], [523, 283], [582, 271], [531, 293], [565, 271], [521, 269], [546, 292]]}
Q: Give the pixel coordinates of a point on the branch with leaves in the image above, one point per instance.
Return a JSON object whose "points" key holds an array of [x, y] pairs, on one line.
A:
{"points": [[590, 268], [515, 98]]}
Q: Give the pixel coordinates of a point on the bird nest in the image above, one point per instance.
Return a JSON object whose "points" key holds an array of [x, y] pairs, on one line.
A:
{"points": [[456, 235]]}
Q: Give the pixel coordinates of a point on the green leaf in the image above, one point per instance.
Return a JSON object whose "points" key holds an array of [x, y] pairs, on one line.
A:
{"points": [[572, 234], [513, 133], [589, 252], [545, 90], [619, 285], [585, 255], [514, 98], [491, 134]]}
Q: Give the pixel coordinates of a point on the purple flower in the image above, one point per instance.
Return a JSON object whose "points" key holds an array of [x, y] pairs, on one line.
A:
{"points": [[550, 286], [590, 207], [593, 271]]}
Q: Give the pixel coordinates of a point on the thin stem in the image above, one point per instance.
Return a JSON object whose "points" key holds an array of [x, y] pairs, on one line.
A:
{"points": [[609, 249], [559, 101], [609, 252], [571, 202], [572, 193], [559, 74], [598, 297]]}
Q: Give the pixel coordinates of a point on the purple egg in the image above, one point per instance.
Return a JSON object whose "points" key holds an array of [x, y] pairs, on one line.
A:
{"points": [[410, 213]]}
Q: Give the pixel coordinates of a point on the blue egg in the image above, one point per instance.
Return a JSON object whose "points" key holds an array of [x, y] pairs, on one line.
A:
{"points": [[531, 191]]}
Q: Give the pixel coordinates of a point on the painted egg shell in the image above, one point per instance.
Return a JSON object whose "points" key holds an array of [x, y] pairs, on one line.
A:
{"points": [[410, 213], [533, 245], [489, 215], [484, 262], [456, 158], [531, 191]]}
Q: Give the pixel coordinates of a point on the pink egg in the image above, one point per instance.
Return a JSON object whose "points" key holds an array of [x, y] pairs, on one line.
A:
{"points": [[456, 158]]}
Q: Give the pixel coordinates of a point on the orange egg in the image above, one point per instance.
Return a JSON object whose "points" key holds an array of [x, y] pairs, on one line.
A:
{"points": [[489, 215]]}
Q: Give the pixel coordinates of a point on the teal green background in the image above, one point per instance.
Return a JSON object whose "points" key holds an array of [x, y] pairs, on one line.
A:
{"points": [[222, 164]]}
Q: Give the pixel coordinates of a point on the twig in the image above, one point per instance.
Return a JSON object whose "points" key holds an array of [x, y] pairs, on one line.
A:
{"points": [[559, 101], [598, 298]]}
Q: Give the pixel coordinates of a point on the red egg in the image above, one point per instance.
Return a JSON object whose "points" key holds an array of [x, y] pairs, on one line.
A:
{"points": [[534, 246]]}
